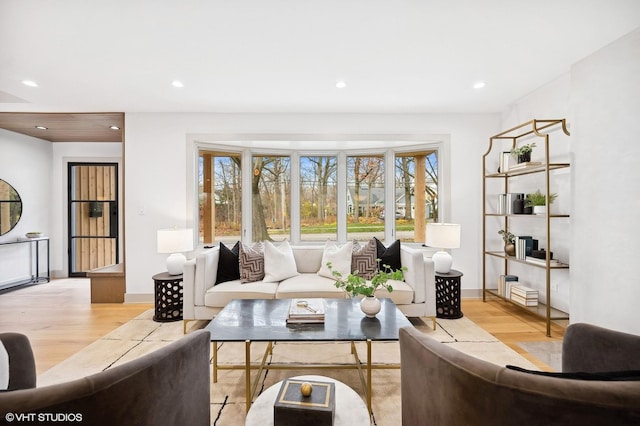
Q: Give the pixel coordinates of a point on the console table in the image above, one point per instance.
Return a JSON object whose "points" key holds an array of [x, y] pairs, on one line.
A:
{"points": [[35, 277]]}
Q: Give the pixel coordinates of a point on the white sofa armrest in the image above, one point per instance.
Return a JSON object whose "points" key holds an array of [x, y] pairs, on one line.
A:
{"points": [[198, 276], [414, 275]]}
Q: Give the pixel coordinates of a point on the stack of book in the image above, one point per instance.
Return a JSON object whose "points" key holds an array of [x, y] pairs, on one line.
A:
{"points": [[524, 246], [504, 285], [543, 262], [520, 166], [306, 311], [524, 296]]}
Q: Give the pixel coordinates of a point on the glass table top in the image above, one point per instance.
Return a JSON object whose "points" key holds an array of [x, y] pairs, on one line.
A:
{"points": [[265, 320]]}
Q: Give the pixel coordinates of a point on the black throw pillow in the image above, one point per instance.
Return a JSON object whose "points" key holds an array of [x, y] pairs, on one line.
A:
{"points": [[609, 376], [228, 263], [389, 255]]}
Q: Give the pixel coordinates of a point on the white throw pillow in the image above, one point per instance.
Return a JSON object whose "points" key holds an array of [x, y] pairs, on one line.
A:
{"points": [[279, 263], [339, 256], [4, 368]]}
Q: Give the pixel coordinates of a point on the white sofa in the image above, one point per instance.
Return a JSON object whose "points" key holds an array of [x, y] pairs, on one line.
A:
{"points": [[415, 297]]}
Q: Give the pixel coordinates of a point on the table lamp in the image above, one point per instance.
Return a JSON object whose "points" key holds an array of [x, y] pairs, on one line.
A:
{"points": [[442, 236], [175, 241]]}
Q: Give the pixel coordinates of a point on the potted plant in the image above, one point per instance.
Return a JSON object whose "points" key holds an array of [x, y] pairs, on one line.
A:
{"points": [[355, 285], [523, 154], [509, 242], [539, 201]]}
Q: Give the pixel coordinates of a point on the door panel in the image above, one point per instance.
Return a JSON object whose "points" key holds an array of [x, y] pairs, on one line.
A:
{"points": [[93, 216]]}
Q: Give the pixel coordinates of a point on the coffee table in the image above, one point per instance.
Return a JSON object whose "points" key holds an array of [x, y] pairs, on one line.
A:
{"points": [[255, 320], [350, 410]]}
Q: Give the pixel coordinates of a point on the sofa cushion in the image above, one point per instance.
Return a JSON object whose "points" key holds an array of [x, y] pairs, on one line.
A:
{"points": [[218, 296], [363, 259], [338, 256], [402, 293], [279, 263], [631, 375], [228, 263], [251, 262], [308, 285], [308, 258], [389, 255]]}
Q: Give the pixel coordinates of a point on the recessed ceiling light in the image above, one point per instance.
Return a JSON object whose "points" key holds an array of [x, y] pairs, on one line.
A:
{"points": [[30, 83], [176, 83], [341, 84], [114, 127], [42, 128], [479, 85]]}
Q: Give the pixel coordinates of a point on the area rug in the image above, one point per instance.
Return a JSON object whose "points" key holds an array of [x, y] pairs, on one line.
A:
{"points": [[142, 335], [548, 352]]}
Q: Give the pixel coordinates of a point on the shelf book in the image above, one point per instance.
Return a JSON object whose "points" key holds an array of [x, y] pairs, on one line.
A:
{"points": [[524, 296], [306, 311]]}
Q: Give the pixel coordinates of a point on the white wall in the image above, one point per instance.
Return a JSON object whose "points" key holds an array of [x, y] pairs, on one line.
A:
{"points": [[156, 175], [605, 99], [25, 163], [600, 97], [63, 154]]}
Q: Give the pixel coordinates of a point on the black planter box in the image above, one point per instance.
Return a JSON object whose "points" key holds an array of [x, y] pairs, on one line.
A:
{"points": [[293, 409]]}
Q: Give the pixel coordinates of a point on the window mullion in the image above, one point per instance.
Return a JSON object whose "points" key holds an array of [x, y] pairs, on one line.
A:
{"points": [[342, 197]]}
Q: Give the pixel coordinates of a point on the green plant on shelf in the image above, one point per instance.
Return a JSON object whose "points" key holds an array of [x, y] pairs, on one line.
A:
{"points": [[538, 199], [507, 236], [524, 149]]}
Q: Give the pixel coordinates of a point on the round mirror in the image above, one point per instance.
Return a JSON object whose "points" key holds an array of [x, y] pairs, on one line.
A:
{"points": [[10, 207]]}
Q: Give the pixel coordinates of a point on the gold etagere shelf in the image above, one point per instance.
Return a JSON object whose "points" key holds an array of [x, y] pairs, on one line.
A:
{"points": [[532, 129]]}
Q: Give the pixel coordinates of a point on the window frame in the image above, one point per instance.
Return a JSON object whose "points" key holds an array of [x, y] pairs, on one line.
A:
{"points": [[248, 146]]}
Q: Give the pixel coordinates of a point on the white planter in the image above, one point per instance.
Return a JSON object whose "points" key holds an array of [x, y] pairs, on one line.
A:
{"points": [[540, 210], [370, 306]]}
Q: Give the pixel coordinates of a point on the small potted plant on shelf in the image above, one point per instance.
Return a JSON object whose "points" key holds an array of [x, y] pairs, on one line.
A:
{"points": [[356, 285], [523, 153], [539, 201], [509, 240]]}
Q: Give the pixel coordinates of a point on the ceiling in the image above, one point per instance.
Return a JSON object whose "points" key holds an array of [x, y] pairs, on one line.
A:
{"points": [[284, 56]]}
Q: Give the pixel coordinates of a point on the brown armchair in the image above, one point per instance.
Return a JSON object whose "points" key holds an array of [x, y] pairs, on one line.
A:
{"points": [[442, 386], [169, 386]]}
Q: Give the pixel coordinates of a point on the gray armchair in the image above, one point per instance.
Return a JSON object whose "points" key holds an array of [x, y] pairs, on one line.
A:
{"points": [[169, 386], [442, 386]]}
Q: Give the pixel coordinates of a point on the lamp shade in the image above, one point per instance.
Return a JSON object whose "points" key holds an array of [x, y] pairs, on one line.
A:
{"points": [[175, 240], [443, 235]]}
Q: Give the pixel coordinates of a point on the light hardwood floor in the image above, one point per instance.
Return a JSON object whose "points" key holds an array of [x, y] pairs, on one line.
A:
{"points": [[60, 320]]}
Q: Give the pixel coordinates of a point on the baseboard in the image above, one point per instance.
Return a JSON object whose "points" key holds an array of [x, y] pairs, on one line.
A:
{"points": [[471, 293], [138, 298]]}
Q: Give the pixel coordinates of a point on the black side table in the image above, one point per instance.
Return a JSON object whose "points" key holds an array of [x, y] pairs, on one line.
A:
{"points": [[448, 295], [168, 297]]}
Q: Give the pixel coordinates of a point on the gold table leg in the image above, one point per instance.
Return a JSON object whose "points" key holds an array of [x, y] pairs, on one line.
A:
{"points": [[214, 350], [247, 372]]}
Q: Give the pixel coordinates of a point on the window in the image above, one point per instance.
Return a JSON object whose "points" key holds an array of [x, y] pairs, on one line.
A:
{"points": [[318, 201], [271, 198], [416, 194], [365, 198], [338, 194], [219, 197]]}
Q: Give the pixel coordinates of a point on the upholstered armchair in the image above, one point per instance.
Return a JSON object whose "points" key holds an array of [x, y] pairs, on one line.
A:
{"points": [[169, 386], [443, 386]]}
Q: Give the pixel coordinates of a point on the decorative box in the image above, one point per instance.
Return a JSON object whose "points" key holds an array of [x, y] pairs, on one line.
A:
{"points": [[293, 409]]}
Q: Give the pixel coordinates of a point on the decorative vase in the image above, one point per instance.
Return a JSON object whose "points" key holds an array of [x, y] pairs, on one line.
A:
{"points": [[510, 249], [524, 158], [370, 305]]}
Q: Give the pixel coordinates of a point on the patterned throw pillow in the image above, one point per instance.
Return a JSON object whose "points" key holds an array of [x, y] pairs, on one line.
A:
{"points": [[251, 262], [228, 263], [389, 255], [363, 259]]}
